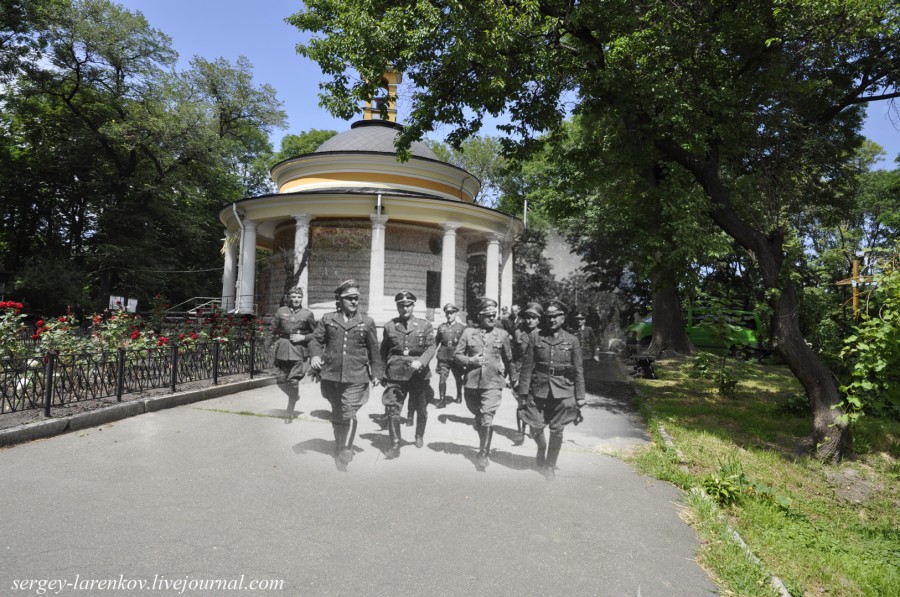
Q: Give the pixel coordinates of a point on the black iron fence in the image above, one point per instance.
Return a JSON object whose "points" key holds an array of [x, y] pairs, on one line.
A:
{"points": [[60, 379]]}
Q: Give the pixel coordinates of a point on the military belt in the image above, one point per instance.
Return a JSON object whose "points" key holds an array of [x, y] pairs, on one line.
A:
{"points": [[553, 370]]}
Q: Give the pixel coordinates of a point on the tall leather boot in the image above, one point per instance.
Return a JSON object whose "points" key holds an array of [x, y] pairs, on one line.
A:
{"points": [[338, 430], [421, 421], [553, 447], [442, 393], [519, 439], [541, 441], [482, 460], [346, 453], [409, 415], [394, 431]]}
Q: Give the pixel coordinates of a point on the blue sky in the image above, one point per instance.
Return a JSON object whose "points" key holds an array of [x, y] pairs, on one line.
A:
{"points": [[232, 28]]}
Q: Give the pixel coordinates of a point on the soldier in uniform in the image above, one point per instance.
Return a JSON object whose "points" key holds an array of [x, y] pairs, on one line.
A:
{"points": [[586, 336], [292, 327], [531, 317], [345, 355], [407, 349], [551, 385], [486, 355], [447, 337]]}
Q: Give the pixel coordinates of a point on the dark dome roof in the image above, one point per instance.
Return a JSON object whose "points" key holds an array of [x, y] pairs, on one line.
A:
{"points": [[373, 135]]}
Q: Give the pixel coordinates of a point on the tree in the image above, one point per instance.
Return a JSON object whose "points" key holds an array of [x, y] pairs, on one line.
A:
{"points": [[755, 102], [481, 156], [117, 165], [305, 142]]}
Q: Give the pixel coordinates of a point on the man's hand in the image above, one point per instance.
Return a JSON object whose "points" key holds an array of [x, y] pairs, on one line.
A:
{"points": [[523, 399], [580, 403], [297, 337], [416, 365], [316, 363]]}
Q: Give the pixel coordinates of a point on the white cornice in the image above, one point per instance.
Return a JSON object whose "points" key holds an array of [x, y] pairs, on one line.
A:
{"points": [[267, 211], [332, 164]]}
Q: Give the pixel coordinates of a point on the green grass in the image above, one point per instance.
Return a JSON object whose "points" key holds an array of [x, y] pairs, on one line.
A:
{"points": [[755, 445]]}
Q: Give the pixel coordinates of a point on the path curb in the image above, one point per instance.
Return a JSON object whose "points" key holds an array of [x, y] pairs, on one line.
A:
{"points": [[124, 410], [776, 583]]}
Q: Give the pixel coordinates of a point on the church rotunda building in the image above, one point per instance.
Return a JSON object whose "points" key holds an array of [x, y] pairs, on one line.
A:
{"points": [[351, 210]]}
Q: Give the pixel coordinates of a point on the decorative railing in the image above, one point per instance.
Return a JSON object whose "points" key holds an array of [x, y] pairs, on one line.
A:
{"points": [[60, 379]]}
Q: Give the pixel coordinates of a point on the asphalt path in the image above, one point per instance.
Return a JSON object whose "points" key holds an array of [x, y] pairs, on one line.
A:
{"points": [[233, 492]]}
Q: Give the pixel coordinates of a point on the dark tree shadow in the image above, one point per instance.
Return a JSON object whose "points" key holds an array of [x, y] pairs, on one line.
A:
{"points": [[445, 418], [380, 441], [317, 444], [380, 420], [325, 415]]}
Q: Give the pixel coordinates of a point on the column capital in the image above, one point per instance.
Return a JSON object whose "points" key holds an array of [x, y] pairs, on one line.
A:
{"points": [[302, 219], [378, 221], [249, 224], [450, 228], [494, 238]]}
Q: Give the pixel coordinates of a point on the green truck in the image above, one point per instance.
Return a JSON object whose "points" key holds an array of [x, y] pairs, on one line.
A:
{"points": [[739, 332]]}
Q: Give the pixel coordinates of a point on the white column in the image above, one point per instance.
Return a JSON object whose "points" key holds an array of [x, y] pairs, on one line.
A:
{"points": [[246, 291], [301, 241], [229, 272], [448, 264], [506, 277], [376, 265], [492, 268]]}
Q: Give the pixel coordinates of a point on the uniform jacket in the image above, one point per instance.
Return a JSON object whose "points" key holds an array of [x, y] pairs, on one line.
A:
{"points": [[402, 345], [552, 365], [349, 349], [497, 351], [588, 340], [287, 322], [447, 337]]}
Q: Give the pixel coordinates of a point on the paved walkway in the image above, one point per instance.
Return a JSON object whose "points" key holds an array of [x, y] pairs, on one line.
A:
{"points": [[230, 489]]}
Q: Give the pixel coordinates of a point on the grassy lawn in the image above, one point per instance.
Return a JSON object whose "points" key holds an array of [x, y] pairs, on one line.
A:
{"points": [[823, 530]]}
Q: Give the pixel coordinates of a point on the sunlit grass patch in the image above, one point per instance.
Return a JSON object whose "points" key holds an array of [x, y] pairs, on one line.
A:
{"points": [[821, 529]]}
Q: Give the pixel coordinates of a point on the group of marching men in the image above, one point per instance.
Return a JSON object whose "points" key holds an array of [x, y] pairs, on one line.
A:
{"points": [[537, 358]]}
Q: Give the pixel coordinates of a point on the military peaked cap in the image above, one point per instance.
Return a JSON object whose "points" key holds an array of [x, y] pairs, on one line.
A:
{"points": [[405, 297], [486, 305], [450, 308], [580, 316], [555, 307], [534, 309], [347, 288]]}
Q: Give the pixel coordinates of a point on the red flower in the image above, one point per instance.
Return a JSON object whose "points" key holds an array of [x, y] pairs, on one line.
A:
{"points": [[62, 319], [193, 335], [35, 336], [135, 334], [97, 319], [162, 340], [39, 323], [181, 336]]}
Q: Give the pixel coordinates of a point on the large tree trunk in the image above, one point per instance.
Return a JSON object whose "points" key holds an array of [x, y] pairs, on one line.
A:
{"points": [[668, 323], [831, 435]]}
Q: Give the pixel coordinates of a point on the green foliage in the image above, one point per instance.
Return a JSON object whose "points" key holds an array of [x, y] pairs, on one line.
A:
{"points": [[113, 166], [702, 365], [297, 145], [12, 330], [483, 157], [874, 350], [792, 511]]}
